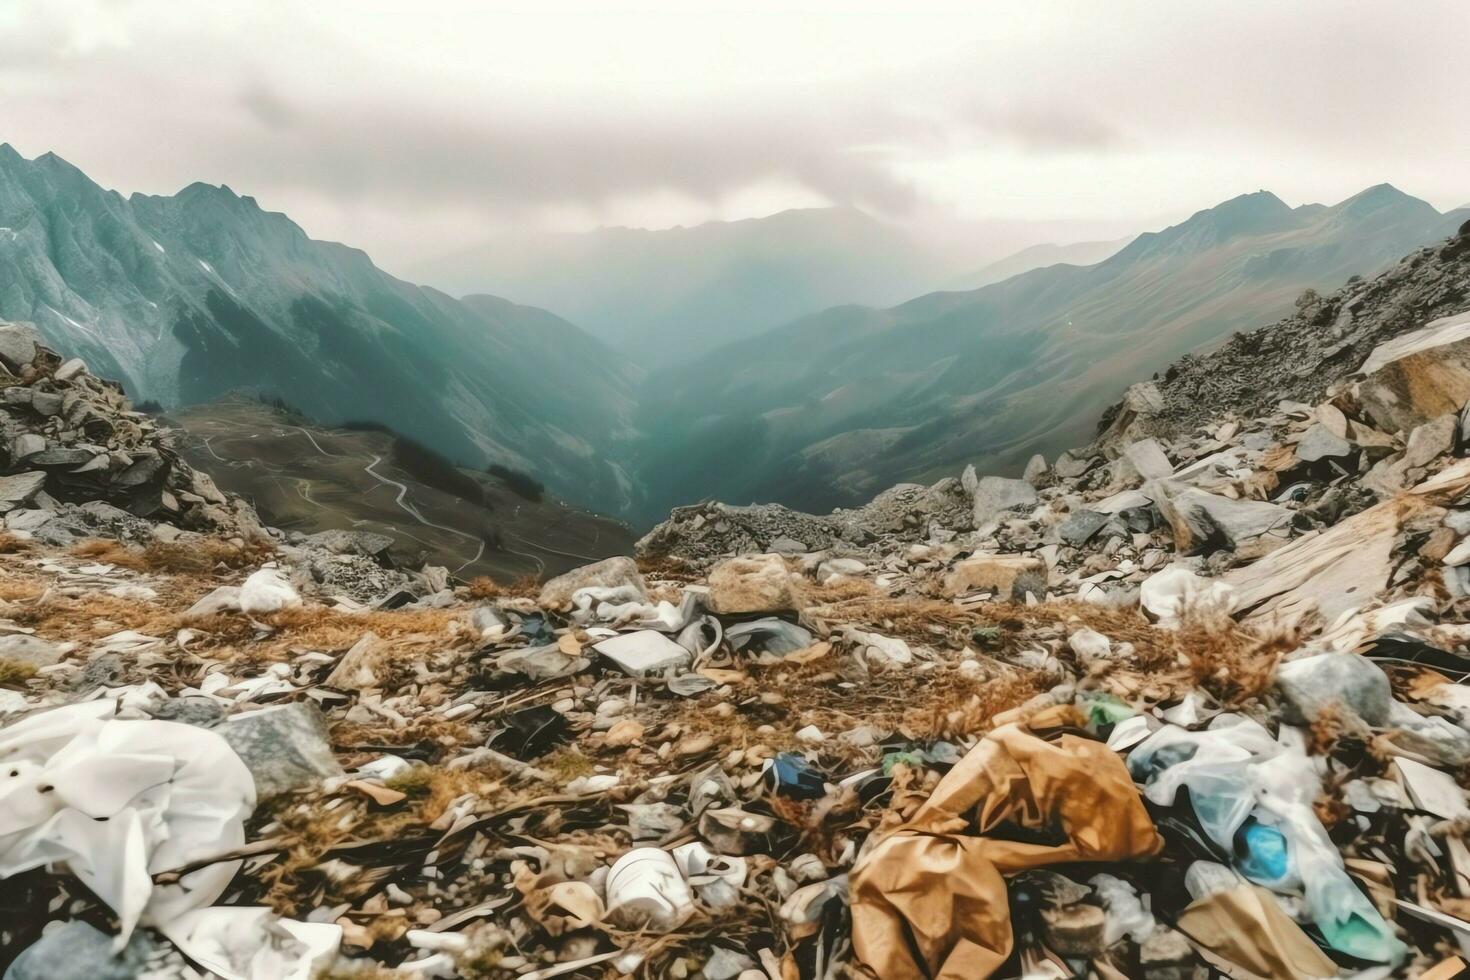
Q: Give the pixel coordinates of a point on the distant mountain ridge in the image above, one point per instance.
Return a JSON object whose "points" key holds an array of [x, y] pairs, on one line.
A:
{"points": [[1038, 257], [188, 296], [672, 294], [831, 408]]}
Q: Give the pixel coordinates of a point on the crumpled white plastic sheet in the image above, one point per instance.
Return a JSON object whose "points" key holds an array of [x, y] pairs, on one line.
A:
{"points": [[250, 943], [1171, 592], [119, 800], [266, 590], [624, 605]]}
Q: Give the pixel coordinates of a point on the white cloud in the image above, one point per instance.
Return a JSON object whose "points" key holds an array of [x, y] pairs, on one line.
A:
{"points": [[411, 128]]}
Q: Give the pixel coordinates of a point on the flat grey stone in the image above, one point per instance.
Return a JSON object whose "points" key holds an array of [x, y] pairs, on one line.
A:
{"points": [[1201, 519], [285, 747], [1070, 467], [342, 542], [70, 368], [1320, 443], [18, 342], [21, 488], [46, 402], [60, 456], [25, 446], [1144, 460], [79, 951], [28, 649], [996, 494], [200, 712], [1080, 526], [1354, 682], [1429, 441], [1036, 470], [26, 520]]}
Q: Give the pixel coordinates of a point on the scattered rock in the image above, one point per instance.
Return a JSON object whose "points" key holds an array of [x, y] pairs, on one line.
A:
{"points": [[995, 494], [1008, 576], [757, 584], [285, 747], [610, 573]]}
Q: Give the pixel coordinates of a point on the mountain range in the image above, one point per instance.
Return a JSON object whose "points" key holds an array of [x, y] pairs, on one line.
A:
{"points": [[664, 296], [189, 296], [1038, 257], [831, 408]]}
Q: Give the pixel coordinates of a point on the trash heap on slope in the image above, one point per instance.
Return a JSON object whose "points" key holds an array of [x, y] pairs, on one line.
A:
{"points": [[1175, 706]]}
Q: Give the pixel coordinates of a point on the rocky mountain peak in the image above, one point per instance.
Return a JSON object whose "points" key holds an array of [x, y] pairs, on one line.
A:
{"points": [[1255, 213]]}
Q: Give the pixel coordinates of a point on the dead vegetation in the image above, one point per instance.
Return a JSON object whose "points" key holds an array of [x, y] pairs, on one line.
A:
{"points": [[204, 556], [14, 673], [483, 587], [11, 545]]}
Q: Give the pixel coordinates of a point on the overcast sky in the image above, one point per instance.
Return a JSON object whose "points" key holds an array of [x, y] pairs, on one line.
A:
{"points": [[412, 129]]}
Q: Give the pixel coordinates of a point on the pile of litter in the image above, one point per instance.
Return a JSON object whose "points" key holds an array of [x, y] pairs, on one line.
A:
{"points": [[1166, 708]]}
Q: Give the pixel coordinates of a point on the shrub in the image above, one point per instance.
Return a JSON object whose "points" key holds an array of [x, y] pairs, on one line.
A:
{"points": [[522, 484], [433, 469]]}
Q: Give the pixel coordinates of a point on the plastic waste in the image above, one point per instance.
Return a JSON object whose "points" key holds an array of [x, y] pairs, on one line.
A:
{"points": [[266, 591], [1104, 709], [717, 878], [1169, 593], [1126, 914], [1261, 855], [646, 891], [531, 732], [1235, 772], [119, 801], [250, 943], [770, 635], [791, 776], [1207, 878]]}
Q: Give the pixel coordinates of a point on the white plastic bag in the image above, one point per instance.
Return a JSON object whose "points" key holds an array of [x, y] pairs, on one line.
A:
{"points": [[118, 801]]}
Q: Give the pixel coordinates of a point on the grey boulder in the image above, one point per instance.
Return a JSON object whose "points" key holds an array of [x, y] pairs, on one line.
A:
{"points": [[994, 495], [285, 746], [1345, 680], [609, 573]]}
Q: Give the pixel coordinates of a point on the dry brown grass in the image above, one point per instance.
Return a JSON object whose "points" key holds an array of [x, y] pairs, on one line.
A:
{"points": [[1234, 664], [163, 558], [313, 831], [842, 590], [13, 673], [951, 714], [430, 789], [93, 616], [667, 567], [904, 617], [485, 587], [12, 545], [346, 734]]}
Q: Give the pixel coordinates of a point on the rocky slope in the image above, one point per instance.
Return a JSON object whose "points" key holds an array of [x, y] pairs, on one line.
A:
{"points": [[832, 408], [184, 298], [1169, 705], [1329, 336]]}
